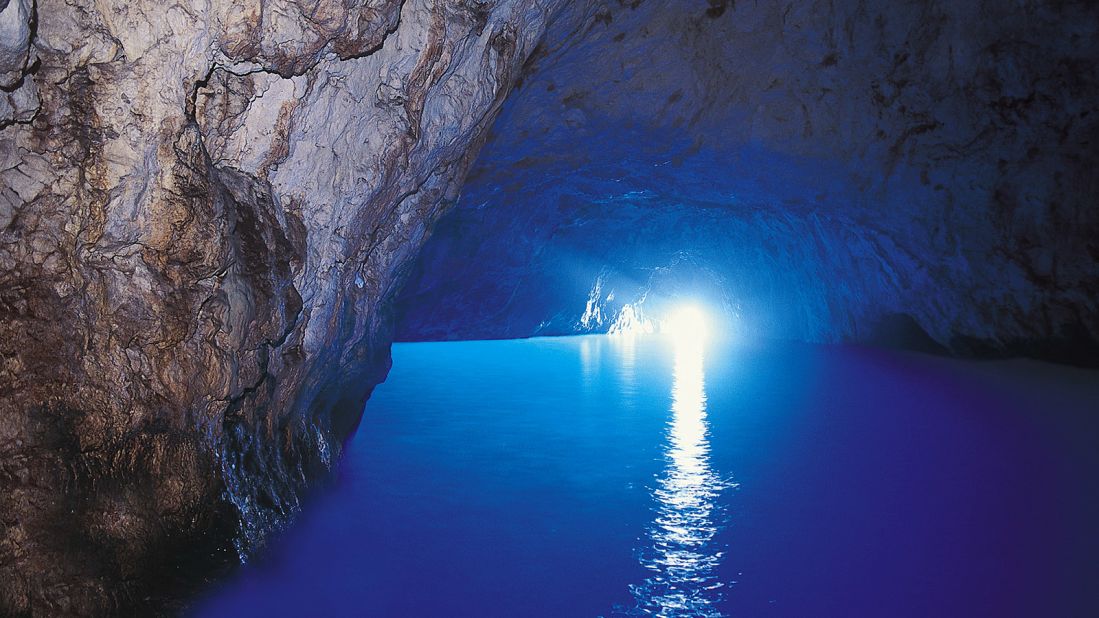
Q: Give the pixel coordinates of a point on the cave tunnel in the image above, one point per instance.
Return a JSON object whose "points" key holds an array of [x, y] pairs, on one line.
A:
{"points": [[408, 308], [853, 191]]}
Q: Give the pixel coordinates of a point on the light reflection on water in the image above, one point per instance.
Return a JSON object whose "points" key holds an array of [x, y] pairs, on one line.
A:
{"points": [[682, 557], [549, 478]]}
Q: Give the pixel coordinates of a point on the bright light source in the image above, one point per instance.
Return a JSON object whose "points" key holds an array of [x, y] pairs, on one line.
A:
{"points": [[687, 322]]}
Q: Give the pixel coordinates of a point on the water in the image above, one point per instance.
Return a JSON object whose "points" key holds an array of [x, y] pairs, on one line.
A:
{"points": [[617, 476]]}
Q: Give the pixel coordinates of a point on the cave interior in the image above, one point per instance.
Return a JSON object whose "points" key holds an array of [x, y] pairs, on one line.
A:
{"points": [[217, 218]]}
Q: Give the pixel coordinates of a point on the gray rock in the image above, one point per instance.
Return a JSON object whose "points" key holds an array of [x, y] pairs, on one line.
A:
{"points": [[203, 215], [15, 33]]}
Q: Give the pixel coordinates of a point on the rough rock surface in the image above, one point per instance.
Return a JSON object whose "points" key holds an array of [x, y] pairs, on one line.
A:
{"points": [[922, 172], [205, 208]]}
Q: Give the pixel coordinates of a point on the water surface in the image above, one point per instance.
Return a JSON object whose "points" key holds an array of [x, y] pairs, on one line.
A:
{"points": [[617, 476]]}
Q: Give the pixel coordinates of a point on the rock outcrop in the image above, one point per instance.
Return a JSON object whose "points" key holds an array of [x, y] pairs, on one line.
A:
{"points": [[917, 172], [204, 212]]}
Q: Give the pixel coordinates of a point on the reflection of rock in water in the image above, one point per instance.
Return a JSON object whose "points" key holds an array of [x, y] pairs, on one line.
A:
{"points": [[681, 556]]}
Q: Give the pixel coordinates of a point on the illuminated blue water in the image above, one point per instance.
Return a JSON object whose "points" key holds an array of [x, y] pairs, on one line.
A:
{"points": [[602, 476]]}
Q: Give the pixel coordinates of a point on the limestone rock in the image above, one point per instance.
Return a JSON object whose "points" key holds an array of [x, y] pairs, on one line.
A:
{"points": [[204, 212], [15, 34]]}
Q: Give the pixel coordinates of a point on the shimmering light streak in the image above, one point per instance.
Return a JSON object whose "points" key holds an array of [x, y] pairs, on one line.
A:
{"points": [[682, 556]]}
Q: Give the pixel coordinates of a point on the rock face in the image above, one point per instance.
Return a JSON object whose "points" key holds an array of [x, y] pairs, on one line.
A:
{"points": [[916, 172], [204, 211]]}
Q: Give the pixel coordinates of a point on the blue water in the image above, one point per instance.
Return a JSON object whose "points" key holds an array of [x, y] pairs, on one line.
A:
{"points": [[609, 476]]}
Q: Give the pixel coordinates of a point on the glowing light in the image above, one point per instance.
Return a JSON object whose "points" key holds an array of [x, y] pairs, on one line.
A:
{"points": [[687, 322], [682, 557]]}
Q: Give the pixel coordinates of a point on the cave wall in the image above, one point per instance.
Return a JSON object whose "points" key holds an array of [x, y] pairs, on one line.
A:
{"points": [[205, 208], [918, 172]]}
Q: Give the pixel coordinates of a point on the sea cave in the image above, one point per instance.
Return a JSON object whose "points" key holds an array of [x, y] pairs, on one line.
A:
{"points": [[476, 308]]}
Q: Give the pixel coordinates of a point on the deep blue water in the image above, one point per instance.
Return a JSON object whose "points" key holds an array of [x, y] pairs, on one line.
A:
{"points": [[601, 476]]}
